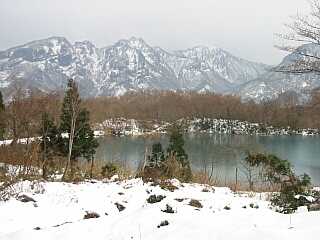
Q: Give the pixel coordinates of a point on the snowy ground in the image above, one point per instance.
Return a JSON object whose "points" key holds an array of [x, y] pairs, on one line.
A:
{"points": [[60, 208]]}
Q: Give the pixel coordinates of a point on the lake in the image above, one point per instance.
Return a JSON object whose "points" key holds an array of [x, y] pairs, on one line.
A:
{"points": [[225, 152]]}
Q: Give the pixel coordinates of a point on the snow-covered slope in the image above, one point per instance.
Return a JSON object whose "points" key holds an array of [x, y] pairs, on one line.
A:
{"points": [[127, 65], [59, 209], [271, 84]]}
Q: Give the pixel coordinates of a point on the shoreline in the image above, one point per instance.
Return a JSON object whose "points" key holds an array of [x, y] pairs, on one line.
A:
{"points": [[133, 127]]}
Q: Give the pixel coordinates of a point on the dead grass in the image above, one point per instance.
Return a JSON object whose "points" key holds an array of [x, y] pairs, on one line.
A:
{"points": [[202, 178]]}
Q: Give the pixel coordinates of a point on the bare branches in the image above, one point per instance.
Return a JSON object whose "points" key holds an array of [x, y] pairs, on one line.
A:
{"points": [[303, 30]]}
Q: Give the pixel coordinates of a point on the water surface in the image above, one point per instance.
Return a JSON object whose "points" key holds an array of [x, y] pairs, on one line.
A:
{"points": [[224, 152]]}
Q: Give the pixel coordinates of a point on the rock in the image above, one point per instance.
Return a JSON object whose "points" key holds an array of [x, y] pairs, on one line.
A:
{"points": [[195, 203], [227, 208], [120, 207], [163, 223], [168, 209], [252, 205], [37, 228], [24, 198], [208, 189], [89, 215], [155, 198]]}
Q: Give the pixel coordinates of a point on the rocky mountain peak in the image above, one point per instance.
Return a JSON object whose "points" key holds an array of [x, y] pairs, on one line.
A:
{"points": [[128, 65]]}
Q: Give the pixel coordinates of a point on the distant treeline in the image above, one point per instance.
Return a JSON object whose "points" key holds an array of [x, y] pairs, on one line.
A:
{"points": [[168, 106], [23, 114]]}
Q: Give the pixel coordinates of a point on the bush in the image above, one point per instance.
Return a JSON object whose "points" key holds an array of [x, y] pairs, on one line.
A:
{"points": [[174, 165], [279, 172], [109, 170], [288, 199]]}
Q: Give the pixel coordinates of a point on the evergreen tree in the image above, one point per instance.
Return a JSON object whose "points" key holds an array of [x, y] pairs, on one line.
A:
{"points": [[75, 122], [157, 156], [176, 145], [49, 142], [176, 150], [2, 118]]}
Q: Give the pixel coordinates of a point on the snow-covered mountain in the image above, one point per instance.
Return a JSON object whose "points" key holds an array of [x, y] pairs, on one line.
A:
{"points": [[272, 84], [127, 65]]}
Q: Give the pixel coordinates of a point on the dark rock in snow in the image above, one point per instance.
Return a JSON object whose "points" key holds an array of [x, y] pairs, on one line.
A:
{"points": [[155, 198], [163, 223], [89, 215], [24, 198], [120, 207], [168, 209], [195, 203]]}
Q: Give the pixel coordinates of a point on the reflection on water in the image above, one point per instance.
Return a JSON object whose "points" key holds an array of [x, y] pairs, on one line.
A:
{"points": [[223, 151]]}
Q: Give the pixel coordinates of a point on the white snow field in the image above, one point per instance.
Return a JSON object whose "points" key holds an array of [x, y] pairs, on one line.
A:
{"points": [[59, 209]]}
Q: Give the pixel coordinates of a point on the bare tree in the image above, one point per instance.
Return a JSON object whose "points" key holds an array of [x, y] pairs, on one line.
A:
{"points": [[304, 29]]}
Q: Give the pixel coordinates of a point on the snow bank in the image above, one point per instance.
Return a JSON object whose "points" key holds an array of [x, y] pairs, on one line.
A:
{"points": [[59, 209]]}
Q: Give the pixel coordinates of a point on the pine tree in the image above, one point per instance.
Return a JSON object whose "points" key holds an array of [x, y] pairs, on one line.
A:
{"points": [[49, 142], [157, 156], [75, 122], [2, 118], [176, 150], [85, 139], [176, 145]]}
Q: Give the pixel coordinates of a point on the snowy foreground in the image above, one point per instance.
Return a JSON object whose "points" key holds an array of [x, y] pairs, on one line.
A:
{"points": [[58, 210]]}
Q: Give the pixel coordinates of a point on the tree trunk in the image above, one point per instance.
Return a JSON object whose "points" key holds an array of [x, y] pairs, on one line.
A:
{"points": [[91, 168], [71, 136]]}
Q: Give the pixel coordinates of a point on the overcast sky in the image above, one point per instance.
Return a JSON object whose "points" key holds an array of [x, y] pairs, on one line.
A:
{"points": [[244, 27]]}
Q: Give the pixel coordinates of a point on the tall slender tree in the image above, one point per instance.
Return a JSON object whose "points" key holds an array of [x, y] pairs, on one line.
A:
{"points": [[80, 141]]}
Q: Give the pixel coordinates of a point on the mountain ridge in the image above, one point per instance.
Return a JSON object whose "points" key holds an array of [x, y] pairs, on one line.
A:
{"points": [[275, 83], [127, 65]]}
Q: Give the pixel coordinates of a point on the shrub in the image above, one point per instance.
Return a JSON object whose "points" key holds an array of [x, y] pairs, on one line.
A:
{"points": [[279, 172], [109, 170], [287, 199], [174, 165]]}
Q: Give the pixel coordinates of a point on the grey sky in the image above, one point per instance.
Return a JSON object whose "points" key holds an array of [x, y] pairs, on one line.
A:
{"points": [[244, 27]]}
